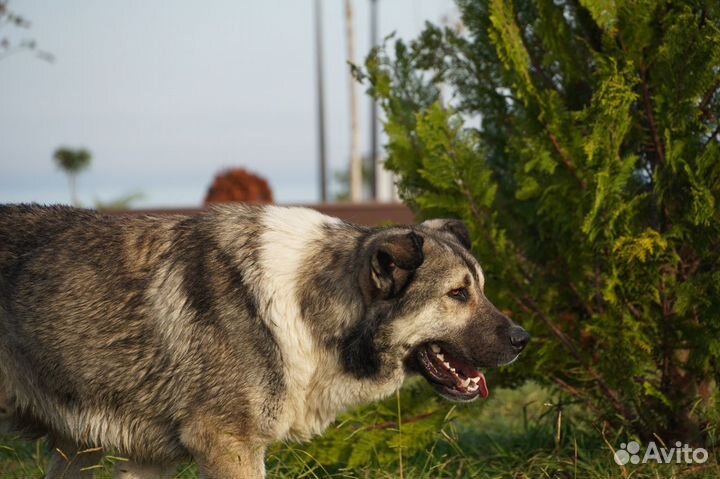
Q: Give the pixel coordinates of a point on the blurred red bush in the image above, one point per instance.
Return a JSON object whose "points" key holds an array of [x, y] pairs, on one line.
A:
{"points": [[238, 185]]}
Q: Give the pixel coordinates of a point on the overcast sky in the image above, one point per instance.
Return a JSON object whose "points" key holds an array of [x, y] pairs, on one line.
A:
{"points": [[166, 94]]}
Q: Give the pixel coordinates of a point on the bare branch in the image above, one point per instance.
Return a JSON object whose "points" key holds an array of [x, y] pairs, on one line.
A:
{"points": [[529, 306], [566, 160], [659, 147]]}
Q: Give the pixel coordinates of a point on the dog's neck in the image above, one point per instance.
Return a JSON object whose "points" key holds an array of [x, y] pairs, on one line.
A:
{"points": [[309, 292], [332, 391]]}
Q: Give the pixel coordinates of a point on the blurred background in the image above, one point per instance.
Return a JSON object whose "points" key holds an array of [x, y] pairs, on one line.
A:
{"points": [[164, 98]]}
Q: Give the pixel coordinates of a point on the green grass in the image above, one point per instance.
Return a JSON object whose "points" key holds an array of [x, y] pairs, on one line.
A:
{"points": [[526, 432]]}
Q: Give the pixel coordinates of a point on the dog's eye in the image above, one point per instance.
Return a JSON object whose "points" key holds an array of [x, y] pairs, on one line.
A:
{"points": [[459, 294]]}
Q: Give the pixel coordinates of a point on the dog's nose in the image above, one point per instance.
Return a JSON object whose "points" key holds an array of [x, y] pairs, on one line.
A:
{"points": [[519, 338]]}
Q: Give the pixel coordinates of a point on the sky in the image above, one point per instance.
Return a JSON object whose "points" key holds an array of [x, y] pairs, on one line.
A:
{"points": [[164, 98]]}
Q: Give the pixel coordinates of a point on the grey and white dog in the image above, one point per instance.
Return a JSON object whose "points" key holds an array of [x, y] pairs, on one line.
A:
{"points": [[211, 336]]}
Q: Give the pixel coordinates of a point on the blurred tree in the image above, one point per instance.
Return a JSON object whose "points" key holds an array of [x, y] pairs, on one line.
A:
{"points": [[591, 186], [8, 46], [239, 185], [124, 202], [72, 162], [342, 182]]}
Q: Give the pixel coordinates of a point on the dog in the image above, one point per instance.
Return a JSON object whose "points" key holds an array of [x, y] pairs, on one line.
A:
{"points": [[212, 336]]}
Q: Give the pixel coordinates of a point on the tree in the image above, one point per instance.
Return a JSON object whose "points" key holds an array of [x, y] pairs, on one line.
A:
{"points": [[238, 185], [72, 162], [120, 203], [9, 46], [342, 182], [591, 186]]}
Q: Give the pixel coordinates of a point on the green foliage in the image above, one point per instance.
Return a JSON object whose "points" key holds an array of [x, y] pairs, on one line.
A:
{"points": [[579, 141], [342, 181], [526, 432], [72, 162], [123, 202], [10, 43]]}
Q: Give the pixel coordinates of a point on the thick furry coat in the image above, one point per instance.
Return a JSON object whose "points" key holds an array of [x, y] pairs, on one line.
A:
{"points": [[168, 337]]}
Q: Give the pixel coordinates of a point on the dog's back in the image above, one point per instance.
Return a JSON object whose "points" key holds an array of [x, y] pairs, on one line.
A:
{"points": [[24, 228], [108, 324], [72, 300]]}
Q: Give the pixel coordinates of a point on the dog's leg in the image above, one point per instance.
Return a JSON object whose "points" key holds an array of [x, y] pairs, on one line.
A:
{"points": [[7, 407], [133, 470], [69, 462], [236, 461], [6, 413], [224, 456]]}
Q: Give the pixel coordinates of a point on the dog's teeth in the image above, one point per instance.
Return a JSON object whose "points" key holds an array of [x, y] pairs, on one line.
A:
{"points": [[440, 357], [475, 379], [435, 348], [473, 387], [447, 365], [466, 382]]}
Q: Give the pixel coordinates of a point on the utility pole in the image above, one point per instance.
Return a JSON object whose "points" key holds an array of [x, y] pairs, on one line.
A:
{"points": [[320, 100], [374, 153], [355, 159]]}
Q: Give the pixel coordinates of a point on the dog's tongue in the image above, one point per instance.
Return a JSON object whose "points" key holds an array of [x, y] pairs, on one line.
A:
{"points": [[482, 384], [470, 372]]}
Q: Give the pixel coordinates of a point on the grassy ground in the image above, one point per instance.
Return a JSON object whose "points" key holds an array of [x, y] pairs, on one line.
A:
{"points": [[521, 433]]}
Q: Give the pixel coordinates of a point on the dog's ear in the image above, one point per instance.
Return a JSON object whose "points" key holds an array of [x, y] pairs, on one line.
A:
{"points": [[455, 228], [393, 261]]}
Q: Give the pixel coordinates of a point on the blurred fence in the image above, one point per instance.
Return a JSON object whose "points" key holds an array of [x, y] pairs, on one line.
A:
{"points": [[361, 213]]}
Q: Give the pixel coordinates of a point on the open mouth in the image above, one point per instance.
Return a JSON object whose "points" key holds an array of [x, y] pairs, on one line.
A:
{"points": [[452, 377]]}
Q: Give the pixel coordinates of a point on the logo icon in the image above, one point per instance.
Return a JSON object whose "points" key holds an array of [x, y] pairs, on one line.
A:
{"points": [[680, 454], [628, 453]]}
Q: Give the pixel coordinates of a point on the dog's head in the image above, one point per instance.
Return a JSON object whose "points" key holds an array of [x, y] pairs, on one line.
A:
{"points": [[424, 296]]}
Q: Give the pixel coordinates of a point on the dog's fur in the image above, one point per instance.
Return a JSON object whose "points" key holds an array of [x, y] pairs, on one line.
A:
{"points": [[211, 336]]}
